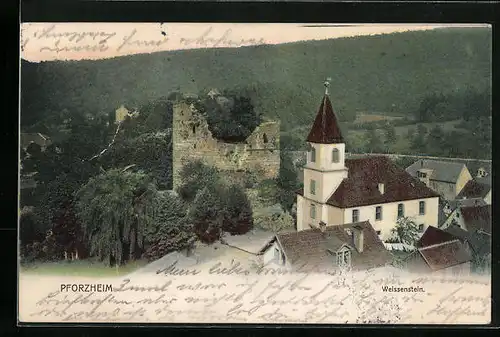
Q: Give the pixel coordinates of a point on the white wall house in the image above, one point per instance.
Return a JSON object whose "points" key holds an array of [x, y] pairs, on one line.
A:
{"points": [[339, 191]]}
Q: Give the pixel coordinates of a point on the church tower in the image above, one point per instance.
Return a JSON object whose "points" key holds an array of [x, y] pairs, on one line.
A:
{"points": [[325, 167]]}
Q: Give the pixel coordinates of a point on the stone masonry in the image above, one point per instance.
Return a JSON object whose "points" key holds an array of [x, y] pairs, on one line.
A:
{"points": [[192, 140]]}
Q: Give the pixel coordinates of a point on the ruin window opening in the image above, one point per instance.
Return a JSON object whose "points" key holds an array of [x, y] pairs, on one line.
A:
{"points": [[194, 129], [264, 138]]}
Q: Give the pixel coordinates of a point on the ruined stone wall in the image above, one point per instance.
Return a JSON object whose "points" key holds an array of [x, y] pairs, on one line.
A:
{"points": [[192, 140]]}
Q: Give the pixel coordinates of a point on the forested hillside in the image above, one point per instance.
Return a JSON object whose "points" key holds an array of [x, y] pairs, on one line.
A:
{"points": [[385, 73]]}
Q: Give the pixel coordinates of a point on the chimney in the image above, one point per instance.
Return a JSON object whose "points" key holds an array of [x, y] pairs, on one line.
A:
{"points": [[322, 226], [358, 237], [381, 188]]}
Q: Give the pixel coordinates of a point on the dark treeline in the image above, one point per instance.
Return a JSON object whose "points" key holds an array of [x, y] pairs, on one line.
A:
{"points": [[370, 73], [470, 104]]}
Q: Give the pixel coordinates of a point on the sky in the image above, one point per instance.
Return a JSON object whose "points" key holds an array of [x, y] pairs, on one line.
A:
{"points": [[77, 41]]}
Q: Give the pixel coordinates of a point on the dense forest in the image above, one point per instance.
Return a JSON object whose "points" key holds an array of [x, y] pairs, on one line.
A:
{"points": [[383, 73]]}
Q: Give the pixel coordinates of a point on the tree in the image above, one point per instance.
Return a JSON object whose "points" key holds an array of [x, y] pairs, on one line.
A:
{"points": [[268, 191], [237, 211], [194, 176], [418, 143], [287, 181], [171, 230], [406, 231], [275, 222], [206, 216], [115, 209], [150, 152], [435, 140], [230, 117], [373, 142], [390, 135]]}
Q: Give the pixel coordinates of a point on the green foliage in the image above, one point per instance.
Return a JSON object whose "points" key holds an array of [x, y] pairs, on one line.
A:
{"points": [[215, 207], [453, 58], [406, 231], [237, 211], [206, 216], [194, 176], [149, 152], [268, 191], [287, 181], [230, 117], [390, 135], [155, 115], [115, 209], [171, 230], [467, 103], [275, 222], [373, 142]]}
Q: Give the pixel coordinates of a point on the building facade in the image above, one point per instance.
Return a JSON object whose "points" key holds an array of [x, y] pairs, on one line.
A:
{"points": [[339, 190]]}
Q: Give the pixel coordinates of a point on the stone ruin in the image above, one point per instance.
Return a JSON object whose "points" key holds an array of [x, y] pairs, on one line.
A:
{"points": [[258, 154]]}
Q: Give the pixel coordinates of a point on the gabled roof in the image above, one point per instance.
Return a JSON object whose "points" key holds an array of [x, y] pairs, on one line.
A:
{"points": [[474, 189], [309, 248], [477, 218], [474, 166], [479, 242], [445, 255], [434, 236], [360, 188], [325, 129], [445, 171], [454, 204]]}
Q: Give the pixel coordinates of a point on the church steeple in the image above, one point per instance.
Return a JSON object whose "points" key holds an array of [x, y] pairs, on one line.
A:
{"points": [[325, 129]]}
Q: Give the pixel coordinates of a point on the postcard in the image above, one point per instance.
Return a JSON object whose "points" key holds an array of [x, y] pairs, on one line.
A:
{"points": [[255, 173]]}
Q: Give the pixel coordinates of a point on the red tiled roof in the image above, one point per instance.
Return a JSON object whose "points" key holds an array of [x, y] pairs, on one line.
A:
{"points": [[477, 218], [434, 236], [310, 247], [325, 129], [445, 255], [474, 189], [360, 188]]}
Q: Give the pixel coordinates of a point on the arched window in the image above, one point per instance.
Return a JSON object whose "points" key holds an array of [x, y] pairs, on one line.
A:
{"points": [[335, 156], [264, 138], [313, 155]]}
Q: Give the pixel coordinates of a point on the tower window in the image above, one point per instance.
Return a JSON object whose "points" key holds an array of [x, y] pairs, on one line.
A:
{"points": [[313, 187], [313, 155], [264, 138], [335, 156], [194, 129]]}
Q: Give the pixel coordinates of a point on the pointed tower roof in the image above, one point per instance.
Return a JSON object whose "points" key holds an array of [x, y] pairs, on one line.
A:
{"points": [[325, 129]]}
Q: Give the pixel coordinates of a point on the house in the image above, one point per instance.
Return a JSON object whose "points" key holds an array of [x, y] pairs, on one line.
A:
{"points": [[354, 246], [439, 252], [476, 190], [37, 138], [444, 177], [478, 245], [452, 205], [339, 190], [480, 169], [470, 218]]}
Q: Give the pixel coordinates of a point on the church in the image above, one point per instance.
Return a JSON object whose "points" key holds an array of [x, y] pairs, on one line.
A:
{"points": [[339, 191]]}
